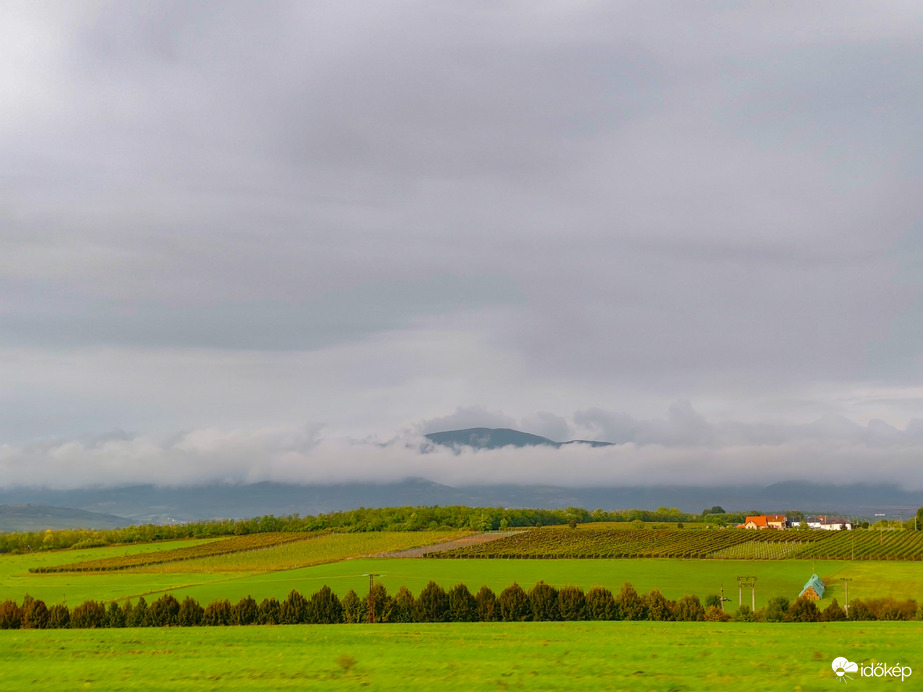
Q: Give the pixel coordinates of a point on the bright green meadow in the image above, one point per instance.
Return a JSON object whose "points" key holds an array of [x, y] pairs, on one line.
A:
{"points": [[674, 577], [634, 656]]}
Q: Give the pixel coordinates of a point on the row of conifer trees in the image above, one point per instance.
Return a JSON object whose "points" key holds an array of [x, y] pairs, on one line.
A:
{"points": [[434, 604]]}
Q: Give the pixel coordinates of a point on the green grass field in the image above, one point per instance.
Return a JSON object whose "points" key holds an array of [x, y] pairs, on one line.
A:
{"points": [[673, 577], [491, 656]]}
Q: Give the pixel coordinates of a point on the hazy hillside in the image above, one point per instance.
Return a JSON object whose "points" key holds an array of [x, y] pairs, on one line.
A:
{"points": [[41, 517], [495, 438], [147, 503]]}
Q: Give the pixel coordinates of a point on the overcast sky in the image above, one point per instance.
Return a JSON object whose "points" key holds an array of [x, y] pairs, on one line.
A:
{"points": [[243, 241]]}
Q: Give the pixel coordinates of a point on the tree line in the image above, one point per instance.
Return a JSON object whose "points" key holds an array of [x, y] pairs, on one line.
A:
{"points": [[541, 603], [360, 520]]}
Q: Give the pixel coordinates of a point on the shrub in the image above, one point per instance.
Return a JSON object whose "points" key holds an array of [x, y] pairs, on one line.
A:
{"points": [[833, 612], [326, 607], [628, 604], [190, 613], [138, 616], [658, 607], [689, 609], [10, 615], [403, 606], [600, 605], [34, 614], [514, 604], [714, 614], [164, 611], [218, 613], [59, 616], [353, 609], [294, 609], [572, 603], [433, 604], [486, 600], [88, 614], [246, 612], [462, 605], [776, 610], [804, 610], [378, 597], [744, 614], [544, 602], [270, 612]]}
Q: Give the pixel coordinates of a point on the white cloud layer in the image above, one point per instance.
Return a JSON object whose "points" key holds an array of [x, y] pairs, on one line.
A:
{"points": [[682, 449]]}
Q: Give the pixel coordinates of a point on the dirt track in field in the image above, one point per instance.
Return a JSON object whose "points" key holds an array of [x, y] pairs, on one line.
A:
{"points": [[474, 539]]}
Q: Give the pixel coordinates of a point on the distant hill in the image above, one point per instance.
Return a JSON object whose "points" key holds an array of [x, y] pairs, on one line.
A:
{"points": [[42, 517], [495, 438], [148, 503]]}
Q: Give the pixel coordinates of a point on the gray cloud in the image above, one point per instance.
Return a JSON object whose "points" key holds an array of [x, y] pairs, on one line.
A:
{"points": [[721, 453], [243, 216]]}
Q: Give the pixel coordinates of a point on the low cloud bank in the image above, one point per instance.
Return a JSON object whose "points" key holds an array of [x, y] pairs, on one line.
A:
{"points": [[682, 450]]}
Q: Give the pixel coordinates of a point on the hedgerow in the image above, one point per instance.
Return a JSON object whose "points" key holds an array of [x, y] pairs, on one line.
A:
{"points": [[514, 604]]}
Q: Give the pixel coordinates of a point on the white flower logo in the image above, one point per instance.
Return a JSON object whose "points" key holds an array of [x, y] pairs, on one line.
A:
{"points": [[841, 666]]}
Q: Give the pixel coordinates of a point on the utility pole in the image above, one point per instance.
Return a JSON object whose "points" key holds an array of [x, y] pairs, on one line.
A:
{"points": [[723, 599], [747, 581], [846, 581], [372, 576]]}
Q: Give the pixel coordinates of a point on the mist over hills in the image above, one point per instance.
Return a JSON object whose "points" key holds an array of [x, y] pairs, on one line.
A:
{"points": [[497, 438], [101, 507]]}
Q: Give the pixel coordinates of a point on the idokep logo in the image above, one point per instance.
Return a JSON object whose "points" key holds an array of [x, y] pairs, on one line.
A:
{"points": [[843, 666]]}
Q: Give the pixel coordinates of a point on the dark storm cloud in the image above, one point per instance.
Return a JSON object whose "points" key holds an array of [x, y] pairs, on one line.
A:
{"points": [[240, 214]]}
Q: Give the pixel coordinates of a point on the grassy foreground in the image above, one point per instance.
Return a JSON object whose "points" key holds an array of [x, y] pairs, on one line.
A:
{"points": [[547, 656]]}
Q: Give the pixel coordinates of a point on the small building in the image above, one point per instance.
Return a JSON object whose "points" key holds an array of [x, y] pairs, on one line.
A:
{"points": [[814, 589], [765, 521], [777, 521], [837, 524], [757, 522]]}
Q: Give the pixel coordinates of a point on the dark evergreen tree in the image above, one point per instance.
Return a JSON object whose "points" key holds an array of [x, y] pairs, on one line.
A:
{"points": [[514, 604], [600, 605], [246, 612], [115, 616], [59, 616], [462, 605], [572, 603], [190, 613], [139, 614], [353, 608], [403, 606], [34, 615], [487, 605], [89, 614], [326, 607], [804, 610], [294, 609], [10, 615], [544, 602], [628, 604], [218, 613], [270, 612], [164, 611], [433, 604], [833, 612], [379, 598], [658, 607]]}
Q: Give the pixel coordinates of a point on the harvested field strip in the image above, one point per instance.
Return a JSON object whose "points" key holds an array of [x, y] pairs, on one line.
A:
{"points": [[476, 539], [666, 543], [330, 547], [236, 544]]}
